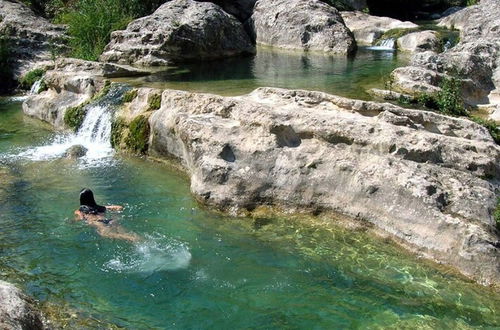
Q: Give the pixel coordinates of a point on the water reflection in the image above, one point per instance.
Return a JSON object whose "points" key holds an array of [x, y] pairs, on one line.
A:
{"points": [[347, 76]]}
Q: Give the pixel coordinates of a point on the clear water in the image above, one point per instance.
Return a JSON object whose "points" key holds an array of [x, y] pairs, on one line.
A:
{"points": [[195, 269], [338, 75]]}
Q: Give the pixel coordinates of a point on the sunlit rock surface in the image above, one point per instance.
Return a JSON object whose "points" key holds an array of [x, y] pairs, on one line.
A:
{"points": [[32, 39], [309, 25], [17, 310], [180, 30]]}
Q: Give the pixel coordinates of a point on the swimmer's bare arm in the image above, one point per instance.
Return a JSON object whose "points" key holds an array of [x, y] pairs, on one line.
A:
{"points": [[114, 207]]}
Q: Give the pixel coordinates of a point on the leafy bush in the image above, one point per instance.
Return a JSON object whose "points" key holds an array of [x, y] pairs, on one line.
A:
{"points": [[449, 99], [31, 77], [90, 24]]}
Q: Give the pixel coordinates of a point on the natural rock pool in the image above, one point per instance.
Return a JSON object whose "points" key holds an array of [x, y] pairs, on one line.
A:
{"points": [[195, 268], [338, 75]]}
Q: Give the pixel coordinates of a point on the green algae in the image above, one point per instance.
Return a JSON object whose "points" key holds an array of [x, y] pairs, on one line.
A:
{"points": [[137, 139]]}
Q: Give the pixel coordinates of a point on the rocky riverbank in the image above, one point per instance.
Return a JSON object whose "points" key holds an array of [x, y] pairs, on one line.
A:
{"points": [[474, 60], [17, 311], [427, 179]]}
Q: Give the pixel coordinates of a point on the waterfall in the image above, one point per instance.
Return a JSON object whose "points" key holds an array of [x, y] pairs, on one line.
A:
{"points": [[386, 44], [96, 127], [94, 134], [35, 89]]}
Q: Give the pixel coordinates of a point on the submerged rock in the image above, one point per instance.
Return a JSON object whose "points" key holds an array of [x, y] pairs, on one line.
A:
{"points": [[17, 311], [309, 25], [367, 28], [75, 152], [31, 38], [180, 30], [417, 175]]}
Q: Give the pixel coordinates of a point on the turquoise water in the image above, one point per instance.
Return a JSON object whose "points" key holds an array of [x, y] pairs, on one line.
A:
{"points": [[339, 75], [195, 269]]}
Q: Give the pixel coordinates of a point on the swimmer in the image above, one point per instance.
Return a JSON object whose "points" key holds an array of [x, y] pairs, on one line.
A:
{"points": [[94, 215]]}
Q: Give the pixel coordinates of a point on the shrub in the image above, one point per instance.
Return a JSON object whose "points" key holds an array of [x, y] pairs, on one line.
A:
{"points": [[90, 24], [138, 137], [154, 102], [130, 96], [491, 126], [31, 77], [449, 99]]}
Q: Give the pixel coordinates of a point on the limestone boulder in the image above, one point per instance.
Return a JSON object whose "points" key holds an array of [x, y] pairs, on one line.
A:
{"points": [[32, 39], [180, 30], [309, 25], [475, 59], [417, 175], [419, 42], [71, 82], [17, 311], [367, 28]]}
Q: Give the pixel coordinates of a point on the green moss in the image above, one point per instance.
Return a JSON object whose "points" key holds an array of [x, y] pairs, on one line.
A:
{"points": [[491, 126], [138, 137], [74, 116], [154, 102], [31, 77], [117, 131], [397, 33], [130, 96]]}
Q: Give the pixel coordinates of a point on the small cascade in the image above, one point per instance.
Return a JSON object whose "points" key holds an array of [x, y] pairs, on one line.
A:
{"points": [[96, 127], [386, 44], [37, 86], [94, 134]]}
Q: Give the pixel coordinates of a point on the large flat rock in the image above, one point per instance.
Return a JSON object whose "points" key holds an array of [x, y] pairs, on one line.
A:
{"points": [[417, 175], [17, 311]]}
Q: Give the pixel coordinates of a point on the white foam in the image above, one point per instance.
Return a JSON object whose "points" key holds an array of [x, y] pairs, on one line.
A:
{"points": [[156, 253], [94, 134], [385, 45]]}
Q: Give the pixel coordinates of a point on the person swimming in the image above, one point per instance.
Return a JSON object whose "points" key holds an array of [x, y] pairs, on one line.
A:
{"points": [[94, 215]]}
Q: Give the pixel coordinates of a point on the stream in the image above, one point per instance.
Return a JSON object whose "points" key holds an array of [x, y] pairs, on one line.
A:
{"points": [[193, 268]]}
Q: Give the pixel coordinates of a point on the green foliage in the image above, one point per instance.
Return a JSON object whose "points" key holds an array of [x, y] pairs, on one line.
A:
{"points": [[31, 77], [449, 99], [130, 96], [397, 33], [5, 66], [74, 116], [472, 2], [90, 24], [490, 125], [428, 100], [138, 137], [154, 102], [117, 128]]}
